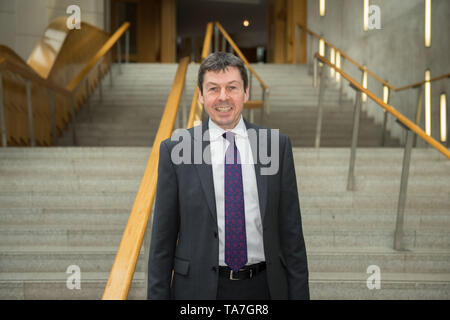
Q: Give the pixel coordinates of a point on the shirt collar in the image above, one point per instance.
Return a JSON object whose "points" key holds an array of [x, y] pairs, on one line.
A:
{"points": [[215, 131]]}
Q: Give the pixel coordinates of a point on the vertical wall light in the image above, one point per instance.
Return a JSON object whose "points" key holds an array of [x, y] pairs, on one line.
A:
{"points": [[338, 64], [386, 94], [427, 23], [443, 117], [322, 8], [332, 60], [364, 84], [366, 15], [322, 47], [427, 103]]}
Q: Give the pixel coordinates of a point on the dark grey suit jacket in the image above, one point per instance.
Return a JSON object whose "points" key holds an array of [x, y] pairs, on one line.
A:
{"points": [[185, 233]]}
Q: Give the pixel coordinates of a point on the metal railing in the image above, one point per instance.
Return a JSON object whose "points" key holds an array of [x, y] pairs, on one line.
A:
{"points": [[410, 127], [339, 58]]}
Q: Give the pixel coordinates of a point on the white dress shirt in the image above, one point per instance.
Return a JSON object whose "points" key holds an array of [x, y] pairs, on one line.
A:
{"points": [[253, 224]]}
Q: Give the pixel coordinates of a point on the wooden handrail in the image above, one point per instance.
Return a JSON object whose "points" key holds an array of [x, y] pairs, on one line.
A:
{"points": [[100, 54], [196, 110], [207, 40], [32, 76], [411, 125], [343, 54], [447, 75], [122, 271], [363, 68], [235, 48]]}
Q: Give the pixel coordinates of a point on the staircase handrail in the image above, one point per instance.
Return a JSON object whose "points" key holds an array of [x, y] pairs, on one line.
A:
{"points": [[122, 271], [399, 116], [364, 68], [74, 83], [195, 113]]}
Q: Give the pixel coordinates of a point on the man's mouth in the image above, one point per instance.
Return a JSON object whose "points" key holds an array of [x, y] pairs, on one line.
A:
{"points": [[223, 108]]}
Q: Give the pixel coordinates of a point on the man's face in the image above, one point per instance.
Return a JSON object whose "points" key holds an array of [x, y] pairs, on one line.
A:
{"points": [[224, 96]]}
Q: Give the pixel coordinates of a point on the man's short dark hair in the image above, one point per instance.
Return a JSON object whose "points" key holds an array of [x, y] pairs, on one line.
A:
{"points": [[219, 61]]}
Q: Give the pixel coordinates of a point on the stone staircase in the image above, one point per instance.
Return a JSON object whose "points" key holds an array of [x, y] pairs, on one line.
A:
{"points": [[131, 109], [68, 206], [293, 109]]}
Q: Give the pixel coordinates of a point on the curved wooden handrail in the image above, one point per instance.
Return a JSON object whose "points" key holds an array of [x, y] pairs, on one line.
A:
{"points": [[404, 120], [126, 258], [100, 54], [363, 68], [235, 48], [29, 74]]}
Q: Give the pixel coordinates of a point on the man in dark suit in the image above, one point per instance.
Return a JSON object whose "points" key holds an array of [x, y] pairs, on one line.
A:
{"points": [[227, 219]]}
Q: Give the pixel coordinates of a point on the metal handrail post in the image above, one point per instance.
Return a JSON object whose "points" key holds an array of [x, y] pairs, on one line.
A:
{"points": [[119, 56], [341, 80], [385, 117], [100, 87], [216, 38], [2, 115], [320, 106], [88, 103], [74, 122], [266, 100], [110, 69], [355, 133], [52, 114], [315, 71], [398, 235], [30, 113], [250, 86], [418, 110], [127, 46], [224, 44]]}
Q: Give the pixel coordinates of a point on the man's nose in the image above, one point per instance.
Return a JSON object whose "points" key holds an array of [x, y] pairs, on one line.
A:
{"points": [[223, 94]]}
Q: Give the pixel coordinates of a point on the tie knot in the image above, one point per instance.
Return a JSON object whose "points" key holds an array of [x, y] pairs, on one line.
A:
{"points": [[229, 136]]}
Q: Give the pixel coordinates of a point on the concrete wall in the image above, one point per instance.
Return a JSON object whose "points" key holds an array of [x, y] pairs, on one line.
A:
{"points": [[22, 22], [396, 52]]}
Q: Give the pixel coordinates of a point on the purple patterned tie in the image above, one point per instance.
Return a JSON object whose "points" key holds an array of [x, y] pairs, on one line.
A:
{"points": [[235, 235]]}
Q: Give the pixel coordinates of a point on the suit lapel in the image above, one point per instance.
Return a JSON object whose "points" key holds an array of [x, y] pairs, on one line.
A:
{"points": [[261, 180], [205, 172]]}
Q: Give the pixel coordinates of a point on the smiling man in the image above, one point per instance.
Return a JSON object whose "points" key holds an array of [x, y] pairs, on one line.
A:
{"points": [[223, 229]]}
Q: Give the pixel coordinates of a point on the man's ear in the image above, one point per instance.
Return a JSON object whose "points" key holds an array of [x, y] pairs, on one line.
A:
{"points": [[247, 94], [200, 96]]}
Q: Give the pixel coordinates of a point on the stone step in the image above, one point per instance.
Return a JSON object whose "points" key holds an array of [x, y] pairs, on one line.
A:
{"points": [[99, 259], [393, 286], [53, 286]]}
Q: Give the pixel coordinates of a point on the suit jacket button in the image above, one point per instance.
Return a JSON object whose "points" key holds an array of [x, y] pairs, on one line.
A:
{"points": [[215, 234]]}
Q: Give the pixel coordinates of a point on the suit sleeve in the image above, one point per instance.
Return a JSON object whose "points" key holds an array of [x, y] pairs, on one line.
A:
{"points": [[164, 230], [291, 234]]}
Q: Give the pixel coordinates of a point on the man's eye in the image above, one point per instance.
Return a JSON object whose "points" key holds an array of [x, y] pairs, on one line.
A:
{"points": [[212, 89], [232, 87]]}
